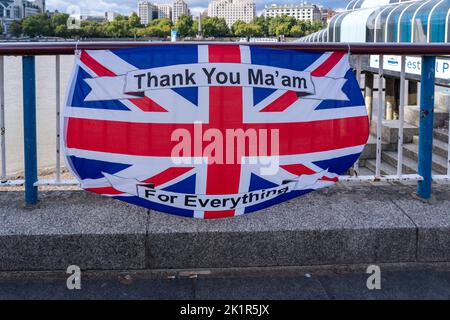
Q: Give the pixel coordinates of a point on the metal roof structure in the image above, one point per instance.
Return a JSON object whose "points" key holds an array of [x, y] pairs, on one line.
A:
{"points": [[418, 21]]}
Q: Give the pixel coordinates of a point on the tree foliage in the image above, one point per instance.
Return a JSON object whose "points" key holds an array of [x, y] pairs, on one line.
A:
{"points": [[215, 27], [125, 27], [184, 26]]}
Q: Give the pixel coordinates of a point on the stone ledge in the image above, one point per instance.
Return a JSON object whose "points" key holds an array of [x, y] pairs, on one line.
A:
{"points": [[343, 225], [70, 227]]}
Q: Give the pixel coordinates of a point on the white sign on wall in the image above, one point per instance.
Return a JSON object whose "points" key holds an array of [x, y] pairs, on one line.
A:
{"points": [[413, 65]]}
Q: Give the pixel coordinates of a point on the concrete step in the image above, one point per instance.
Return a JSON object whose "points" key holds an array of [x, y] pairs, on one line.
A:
{"points": [[390, 130], [441, 134], [440, 148], [411, 151], [412, 116], [370, 150], [389, 165], [386, 168], [364, 171], [409, 165]]}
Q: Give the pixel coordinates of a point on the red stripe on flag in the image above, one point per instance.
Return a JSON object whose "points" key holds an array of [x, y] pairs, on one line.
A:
{"points": [[282, 103], [298, 169], [225, 112], [168, 175], [224, 53], [222, 179], [145, 103], [328, 65], [122, 137], [105, 190], [96, 67], [330, 179]]}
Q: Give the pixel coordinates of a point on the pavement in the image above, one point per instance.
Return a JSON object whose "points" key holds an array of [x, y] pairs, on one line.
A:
{"points": [[395, 285], [347, 224]]}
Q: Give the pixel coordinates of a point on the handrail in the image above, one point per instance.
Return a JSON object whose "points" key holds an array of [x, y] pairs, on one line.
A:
{"points": [[68, 48]]}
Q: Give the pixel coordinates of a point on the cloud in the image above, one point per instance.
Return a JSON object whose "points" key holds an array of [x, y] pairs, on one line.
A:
{"points": [[99, 7]]}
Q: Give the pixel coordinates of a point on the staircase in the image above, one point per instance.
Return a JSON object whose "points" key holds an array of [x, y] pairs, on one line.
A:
{"points": [[410, 148]]}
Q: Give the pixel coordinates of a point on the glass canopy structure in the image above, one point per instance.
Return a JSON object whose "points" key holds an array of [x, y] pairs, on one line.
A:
{"points": [[419, 21]]}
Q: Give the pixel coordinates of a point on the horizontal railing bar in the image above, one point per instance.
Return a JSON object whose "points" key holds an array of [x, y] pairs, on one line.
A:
{"points": [[342, 179], [56, 182], [68, 48], [12, 183], [405, 177], [40, 183]]}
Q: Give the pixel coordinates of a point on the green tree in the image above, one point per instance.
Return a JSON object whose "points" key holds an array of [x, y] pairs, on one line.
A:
{"points": [[242, 29], [214, 27], [184, 25], [61, 31], [238, 28], [254, 30], [134, 21], [263, 23], [58, 25], [15, 29], [45, 23], [194, 29], [296, 31], [118, 28], [58, 19], [31, 27], [316, 26], [156, 28], [281, 25]]}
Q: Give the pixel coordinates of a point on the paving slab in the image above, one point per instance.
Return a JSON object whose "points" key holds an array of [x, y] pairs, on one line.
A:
{"points": [[422, 285], [432, 221], [271, 288], [70, 227], [111, 289], [336, 226]]}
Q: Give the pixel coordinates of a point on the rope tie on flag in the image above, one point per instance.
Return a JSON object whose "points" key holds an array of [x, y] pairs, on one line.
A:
{"points": [[77, 52]]}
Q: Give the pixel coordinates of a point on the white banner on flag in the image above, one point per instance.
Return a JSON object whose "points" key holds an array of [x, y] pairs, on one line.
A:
{"points": [[135, 83], [213, 202]]}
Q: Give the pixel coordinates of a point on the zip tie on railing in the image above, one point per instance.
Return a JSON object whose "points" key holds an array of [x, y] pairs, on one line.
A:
{"points": [[77, 52]]}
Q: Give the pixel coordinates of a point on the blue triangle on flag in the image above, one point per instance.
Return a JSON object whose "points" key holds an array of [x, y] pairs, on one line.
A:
{"points": [[259, 94], [190, 94], [258, 183], [184, 186]]}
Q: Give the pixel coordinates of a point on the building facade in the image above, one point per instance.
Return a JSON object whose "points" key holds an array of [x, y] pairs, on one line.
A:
{"points": [[418, 21], [232, 10], [11, 10], [164, 11], [111, 15], [179, 8], [146, 11], [301, 12]]}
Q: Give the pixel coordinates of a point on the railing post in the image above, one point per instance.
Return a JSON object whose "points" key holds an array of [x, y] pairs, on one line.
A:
{"points": [[426, 116], [2, 120], [29, 128]]}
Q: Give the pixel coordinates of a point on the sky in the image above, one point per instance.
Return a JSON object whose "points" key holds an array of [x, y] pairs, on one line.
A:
{"points": [[99, 7]]}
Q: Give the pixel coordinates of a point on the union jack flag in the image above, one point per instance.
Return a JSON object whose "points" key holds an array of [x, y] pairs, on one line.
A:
{"points": [[131, 138]]}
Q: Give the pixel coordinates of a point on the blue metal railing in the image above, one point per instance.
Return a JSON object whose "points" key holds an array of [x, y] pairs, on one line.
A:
{"points": [[424, 189], [426, 121], [29, 129]]}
